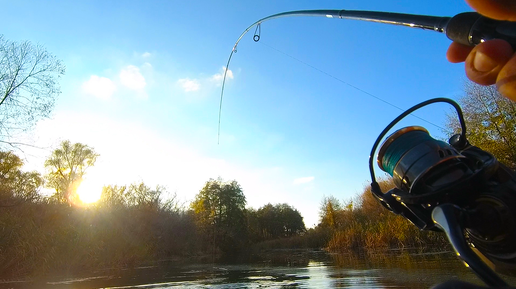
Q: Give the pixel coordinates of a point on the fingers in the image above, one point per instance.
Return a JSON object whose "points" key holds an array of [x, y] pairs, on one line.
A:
{"points": [[493, 61], [457, 52], [506, 80], [486, 61], [498, 9]]}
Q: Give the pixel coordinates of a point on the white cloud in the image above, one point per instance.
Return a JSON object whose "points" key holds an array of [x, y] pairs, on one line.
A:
{"points": [[146, 55], [220, 76], [189, 84], [131, 77], [100, 87], [304, 180]]}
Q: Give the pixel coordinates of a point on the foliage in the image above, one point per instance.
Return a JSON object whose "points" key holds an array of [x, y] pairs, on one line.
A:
{"points": [[490, 121], [28, 85], [39, 237], [327, 212], [113, 196], [66, 167], [219, 210], [16, 186], [134, 225], [368, 225], [139, 195], [276, 221]]}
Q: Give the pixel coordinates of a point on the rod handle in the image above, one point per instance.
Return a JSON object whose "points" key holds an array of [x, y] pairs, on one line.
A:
{"points": [[471, 28]]}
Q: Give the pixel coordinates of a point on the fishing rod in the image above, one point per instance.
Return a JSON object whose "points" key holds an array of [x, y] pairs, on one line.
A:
{"points": [[468, 28]]}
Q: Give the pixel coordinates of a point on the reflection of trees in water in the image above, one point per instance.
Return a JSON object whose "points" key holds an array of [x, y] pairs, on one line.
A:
{"points": [[392, 259], [288, 257], [356, 272], [410, 270]]}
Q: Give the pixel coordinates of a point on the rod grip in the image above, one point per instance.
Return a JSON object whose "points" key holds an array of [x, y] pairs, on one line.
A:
{"points": [[471, 28]]}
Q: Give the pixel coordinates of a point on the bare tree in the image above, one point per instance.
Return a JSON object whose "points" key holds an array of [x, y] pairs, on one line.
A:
{"points": [[28, 86]]}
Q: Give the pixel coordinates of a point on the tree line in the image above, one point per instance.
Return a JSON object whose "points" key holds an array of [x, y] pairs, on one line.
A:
{"points": [[130, 225], [134, 224]]}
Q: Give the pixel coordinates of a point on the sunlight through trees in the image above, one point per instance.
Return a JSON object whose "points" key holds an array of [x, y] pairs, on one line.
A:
{"points": [[135, 224], [66, 167]]}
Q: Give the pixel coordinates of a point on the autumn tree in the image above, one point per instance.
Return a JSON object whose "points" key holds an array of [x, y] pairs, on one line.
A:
{"points": [[66, 167], [328, 211], [28, 86], [17, 186], [490, 121], [220, 214]]}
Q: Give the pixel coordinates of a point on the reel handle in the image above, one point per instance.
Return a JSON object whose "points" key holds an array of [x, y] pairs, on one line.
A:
{"points": [[449, 219]]}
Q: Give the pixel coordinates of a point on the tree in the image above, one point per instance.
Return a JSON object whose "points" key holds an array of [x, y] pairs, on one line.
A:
{"points": [[66, 167], [253, 225], [143, 195], [137, 195], [16, 186], [269, 223], [28, 86], [328, 211], [280, 220], [220, 214], [490, 121], [292, 221], [113, 196]]}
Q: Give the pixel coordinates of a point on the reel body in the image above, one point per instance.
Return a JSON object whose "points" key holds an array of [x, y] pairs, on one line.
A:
{"points": [[439, 183]]}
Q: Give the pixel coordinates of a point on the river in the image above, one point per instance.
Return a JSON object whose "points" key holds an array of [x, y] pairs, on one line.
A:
{"points": [[316, 270]]}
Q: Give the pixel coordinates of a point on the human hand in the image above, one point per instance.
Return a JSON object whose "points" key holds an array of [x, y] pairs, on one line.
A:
{"points": [[493, 61]]}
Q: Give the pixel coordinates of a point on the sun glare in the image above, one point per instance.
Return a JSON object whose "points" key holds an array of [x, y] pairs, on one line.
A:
{"points": [[89, 191]]}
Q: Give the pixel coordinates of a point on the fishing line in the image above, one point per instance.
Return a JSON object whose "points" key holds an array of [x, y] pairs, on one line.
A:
{"points": [[256, 38], [424, 22], [349, 84]]}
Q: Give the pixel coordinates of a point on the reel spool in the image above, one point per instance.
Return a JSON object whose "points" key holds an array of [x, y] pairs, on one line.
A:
{"points": [[420, 165]]}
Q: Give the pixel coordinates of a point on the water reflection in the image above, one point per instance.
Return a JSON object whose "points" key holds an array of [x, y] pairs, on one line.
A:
{"points": [[402, 270], [327, 276]]}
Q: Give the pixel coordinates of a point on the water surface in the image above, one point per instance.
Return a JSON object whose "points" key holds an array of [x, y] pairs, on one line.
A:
{"points": [[401, 270]]}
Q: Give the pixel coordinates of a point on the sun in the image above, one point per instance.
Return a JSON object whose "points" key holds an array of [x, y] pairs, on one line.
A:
{"points": [[89, 190]]}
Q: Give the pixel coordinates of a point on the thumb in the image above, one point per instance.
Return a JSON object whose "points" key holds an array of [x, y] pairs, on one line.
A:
{"points": [[486, 61]]}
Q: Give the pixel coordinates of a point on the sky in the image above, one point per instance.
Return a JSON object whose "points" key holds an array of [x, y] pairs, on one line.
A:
{"points": [[301, 110]]}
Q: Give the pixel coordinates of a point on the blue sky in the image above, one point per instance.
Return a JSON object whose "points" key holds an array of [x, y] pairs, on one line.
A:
{"points": [[143, 79]]}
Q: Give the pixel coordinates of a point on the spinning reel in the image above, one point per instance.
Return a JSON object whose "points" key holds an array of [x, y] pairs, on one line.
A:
{"points": [[455, 188]]}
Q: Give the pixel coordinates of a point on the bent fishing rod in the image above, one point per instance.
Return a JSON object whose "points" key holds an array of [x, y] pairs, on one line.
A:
{"points": [[468, 28]]}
